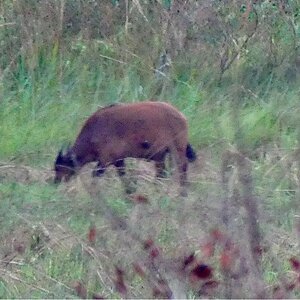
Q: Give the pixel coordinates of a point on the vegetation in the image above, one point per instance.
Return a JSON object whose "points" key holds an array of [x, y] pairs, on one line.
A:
{"points": [[232, 67]]}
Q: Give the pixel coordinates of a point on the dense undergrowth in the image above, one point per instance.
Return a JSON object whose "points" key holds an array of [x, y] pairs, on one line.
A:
{"points": [[236, 81]]}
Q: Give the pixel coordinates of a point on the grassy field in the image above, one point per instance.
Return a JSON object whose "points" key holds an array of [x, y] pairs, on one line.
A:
{"points": [[46, 251], [87, 238]]}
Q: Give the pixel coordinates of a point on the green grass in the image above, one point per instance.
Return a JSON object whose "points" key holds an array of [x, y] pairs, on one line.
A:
{"points": [[50, 85], [43, 108]]}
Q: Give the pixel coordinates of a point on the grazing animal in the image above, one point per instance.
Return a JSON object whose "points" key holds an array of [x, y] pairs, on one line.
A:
{"points": [[147, 130]]}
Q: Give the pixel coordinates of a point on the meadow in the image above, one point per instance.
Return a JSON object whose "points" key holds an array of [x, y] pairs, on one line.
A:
{"points": [[86, 238]]}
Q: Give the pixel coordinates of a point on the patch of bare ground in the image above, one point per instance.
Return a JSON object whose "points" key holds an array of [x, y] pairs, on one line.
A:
{"points": [[23, 174]]}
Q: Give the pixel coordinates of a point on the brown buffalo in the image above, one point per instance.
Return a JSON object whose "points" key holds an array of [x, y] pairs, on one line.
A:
{"points": [[146, 130]]}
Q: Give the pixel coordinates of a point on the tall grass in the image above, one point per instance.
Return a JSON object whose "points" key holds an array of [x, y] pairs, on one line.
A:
{"points": [[44, 107], [51, 84]]}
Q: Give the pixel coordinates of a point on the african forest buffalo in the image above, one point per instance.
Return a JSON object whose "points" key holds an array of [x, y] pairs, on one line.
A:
{"points": [[146, 130]]}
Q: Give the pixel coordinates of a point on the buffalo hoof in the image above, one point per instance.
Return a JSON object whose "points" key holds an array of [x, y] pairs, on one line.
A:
{"points": [[97, 172]]}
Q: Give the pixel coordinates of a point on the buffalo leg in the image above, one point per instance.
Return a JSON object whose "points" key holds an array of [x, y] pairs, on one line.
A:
{"points": [[183, 178], [182, 166], [98, 171], [160, 169], [120, 165], [160, 165]]}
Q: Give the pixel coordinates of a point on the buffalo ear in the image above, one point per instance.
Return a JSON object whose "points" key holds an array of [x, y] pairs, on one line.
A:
{"points": [[66, 149], [60, 157], [66, 158]]}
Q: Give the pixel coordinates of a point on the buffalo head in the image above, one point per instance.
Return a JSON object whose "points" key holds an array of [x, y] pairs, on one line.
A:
{"points": [[64, 166]]}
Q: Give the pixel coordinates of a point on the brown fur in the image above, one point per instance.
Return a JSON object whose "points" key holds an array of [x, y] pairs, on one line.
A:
{"points": [[146, 130]]}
